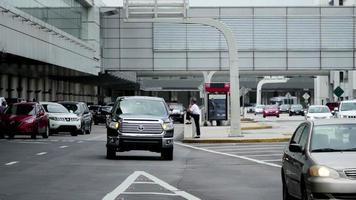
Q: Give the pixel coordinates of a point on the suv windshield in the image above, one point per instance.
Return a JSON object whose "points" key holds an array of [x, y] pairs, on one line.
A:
{"points": [[142, 107], [334, 138], [347, 106], [54, 108], [73, 107], [297, 107], [20, 109]]}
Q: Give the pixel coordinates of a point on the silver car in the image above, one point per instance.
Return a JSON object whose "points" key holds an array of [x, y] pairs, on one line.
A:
{"points": [[320, 161]]}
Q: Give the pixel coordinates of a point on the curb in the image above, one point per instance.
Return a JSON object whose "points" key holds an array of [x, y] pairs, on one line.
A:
{"points": [[234, 140], [256, 127]]}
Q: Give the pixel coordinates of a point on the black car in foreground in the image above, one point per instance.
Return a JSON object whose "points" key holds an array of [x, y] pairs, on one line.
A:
{"points": [[320, 161], [140, 123]]}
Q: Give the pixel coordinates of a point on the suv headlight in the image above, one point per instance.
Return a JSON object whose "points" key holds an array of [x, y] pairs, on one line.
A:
{"points": [[167, 126], [322, 171], [114, 125]]}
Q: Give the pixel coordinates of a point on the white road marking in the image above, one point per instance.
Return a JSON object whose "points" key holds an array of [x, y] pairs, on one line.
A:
{"points": [[231, 155], [80, 142], [275, 160], [11, 163], [42, 153], [29, 142], [62, 147], [131, 180], [247, 147], [151, 193], [264, 155], [138, 182]]}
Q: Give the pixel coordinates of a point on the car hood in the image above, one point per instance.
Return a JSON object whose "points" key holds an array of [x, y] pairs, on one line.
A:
{"points": [[319, 114], [335, 160], [142, 117], [62, 115], [15, 117]]}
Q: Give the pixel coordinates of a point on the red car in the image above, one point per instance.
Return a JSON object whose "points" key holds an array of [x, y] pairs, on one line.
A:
{"points": [[28, 118], [271, 110]]}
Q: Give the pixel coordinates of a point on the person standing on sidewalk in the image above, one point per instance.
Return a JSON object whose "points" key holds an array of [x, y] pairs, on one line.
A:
{"points": [[195, 112]]}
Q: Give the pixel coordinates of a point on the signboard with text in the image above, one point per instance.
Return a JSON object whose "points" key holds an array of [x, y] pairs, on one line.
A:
{"points": [[217, 106]]}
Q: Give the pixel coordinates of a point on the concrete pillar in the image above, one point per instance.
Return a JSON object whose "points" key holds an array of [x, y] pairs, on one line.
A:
{"points": [[39, 89], [321, 90], [4, 85], [24, 86], [14, 80], [352, 84]]}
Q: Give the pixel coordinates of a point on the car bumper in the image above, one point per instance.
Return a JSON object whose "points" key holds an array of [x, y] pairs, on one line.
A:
{"points": [[330, 188], [63, 126], [127, 142], [271, 114]]}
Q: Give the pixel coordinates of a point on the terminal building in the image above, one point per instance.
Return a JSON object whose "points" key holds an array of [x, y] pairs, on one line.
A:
{"points": [[83, 50]]}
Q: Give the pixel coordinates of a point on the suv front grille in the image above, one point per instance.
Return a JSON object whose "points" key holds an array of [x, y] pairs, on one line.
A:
{"points": [[350, 173], [141, 128]]}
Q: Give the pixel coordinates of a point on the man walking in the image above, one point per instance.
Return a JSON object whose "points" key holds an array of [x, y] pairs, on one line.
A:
{"points": [[195, 113]]}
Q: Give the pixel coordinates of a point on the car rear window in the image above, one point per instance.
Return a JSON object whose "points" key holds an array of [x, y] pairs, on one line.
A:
{"points": [[21, 109], [53, 108]]}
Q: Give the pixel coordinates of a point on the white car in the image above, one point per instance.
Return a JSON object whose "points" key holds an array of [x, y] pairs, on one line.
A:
{"points": [[61, 120], [318, 112], [259, 109], [347, 109]]}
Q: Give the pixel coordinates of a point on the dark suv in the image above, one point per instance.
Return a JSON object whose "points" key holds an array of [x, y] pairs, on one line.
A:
{"points": [[140, 123]]}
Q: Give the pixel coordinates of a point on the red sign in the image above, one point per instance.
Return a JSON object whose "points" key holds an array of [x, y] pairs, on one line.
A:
{"points": [[217, 87]]}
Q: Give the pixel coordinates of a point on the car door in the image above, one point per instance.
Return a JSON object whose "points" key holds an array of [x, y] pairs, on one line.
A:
{"points": [[289, 162], [86, 116], [42, 120]]}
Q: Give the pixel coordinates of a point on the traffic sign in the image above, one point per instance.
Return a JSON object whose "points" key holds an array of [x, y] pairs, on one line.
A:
{"points": [[338, 91], [306, 96]]}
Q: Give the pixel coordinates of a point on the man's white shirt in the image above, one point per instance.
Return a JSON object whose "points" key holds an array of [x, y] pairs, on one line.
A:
{"points": [[195, 109]]}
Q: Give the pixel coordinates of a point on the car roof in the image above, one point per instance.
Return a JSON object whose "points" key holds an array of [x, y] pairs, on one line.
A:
{"points": [[142, 97], [334, 121], [45, 102]]}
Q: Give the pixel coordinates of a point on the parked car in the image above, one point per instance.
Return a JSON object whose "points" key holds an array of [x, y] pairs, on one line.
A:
{"points": [[284, 108], [296, 109], [177, 111], [250, 108], [82, 111], [140, 123], [347, 109], [259, 109], [24, 119], [318, 112], [271, 110], [61, 120], [101, 115], [320, 161]]}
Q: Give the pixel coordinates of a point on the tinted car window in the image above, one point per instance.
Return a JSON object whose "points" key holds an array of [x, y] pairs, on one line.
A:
{"points": [[54, 108], [142, 107], [304, 137], [76, 108], [21, 109], [297, 134]]}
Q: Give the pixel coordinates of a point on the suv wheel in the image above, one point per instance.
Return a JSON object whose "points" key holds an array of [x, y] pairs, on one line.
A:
{"points": [[167, 154], [74, 133], [110, 153]]}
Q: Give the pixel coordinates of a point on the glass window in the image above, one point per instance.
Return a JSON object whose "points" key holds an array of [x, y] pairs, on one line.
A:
{"points": [[304, 137], [142, 107], [348, 106], [21, 109], [297, 134], [334, 137], [76, 108], [54, 108], [319, 109]]}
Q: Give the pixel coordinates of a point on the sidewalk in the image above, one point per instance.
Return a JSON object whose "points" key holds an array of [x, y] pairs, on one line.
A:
{"points": [[220, 134]]}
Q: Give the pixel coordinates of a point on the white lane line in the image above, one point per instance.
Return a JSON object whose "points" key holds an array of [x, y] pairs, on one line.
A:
{"points": [[247, 147], [244, 145], [275, 160], [139, 182], [62, 147], [231, 155], [131, 180], [80, 142], [42, 153], [264, 155], [151, 193], [253, 152], [11, 163]]}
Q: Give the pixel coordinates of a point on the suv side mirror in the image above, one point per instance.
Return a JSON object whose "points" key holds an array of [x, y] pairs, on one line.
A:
{"points": [[296, 148]]}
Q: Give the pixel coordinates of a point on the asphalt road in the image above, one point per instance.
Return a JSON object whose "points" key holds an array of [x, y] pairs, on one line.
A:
{"points": [[65, 167]]}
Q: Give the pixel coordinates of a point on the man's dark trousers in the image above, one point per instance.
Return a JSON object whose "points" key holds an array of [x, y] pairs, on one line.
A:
{"points": [[196, 121]]}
